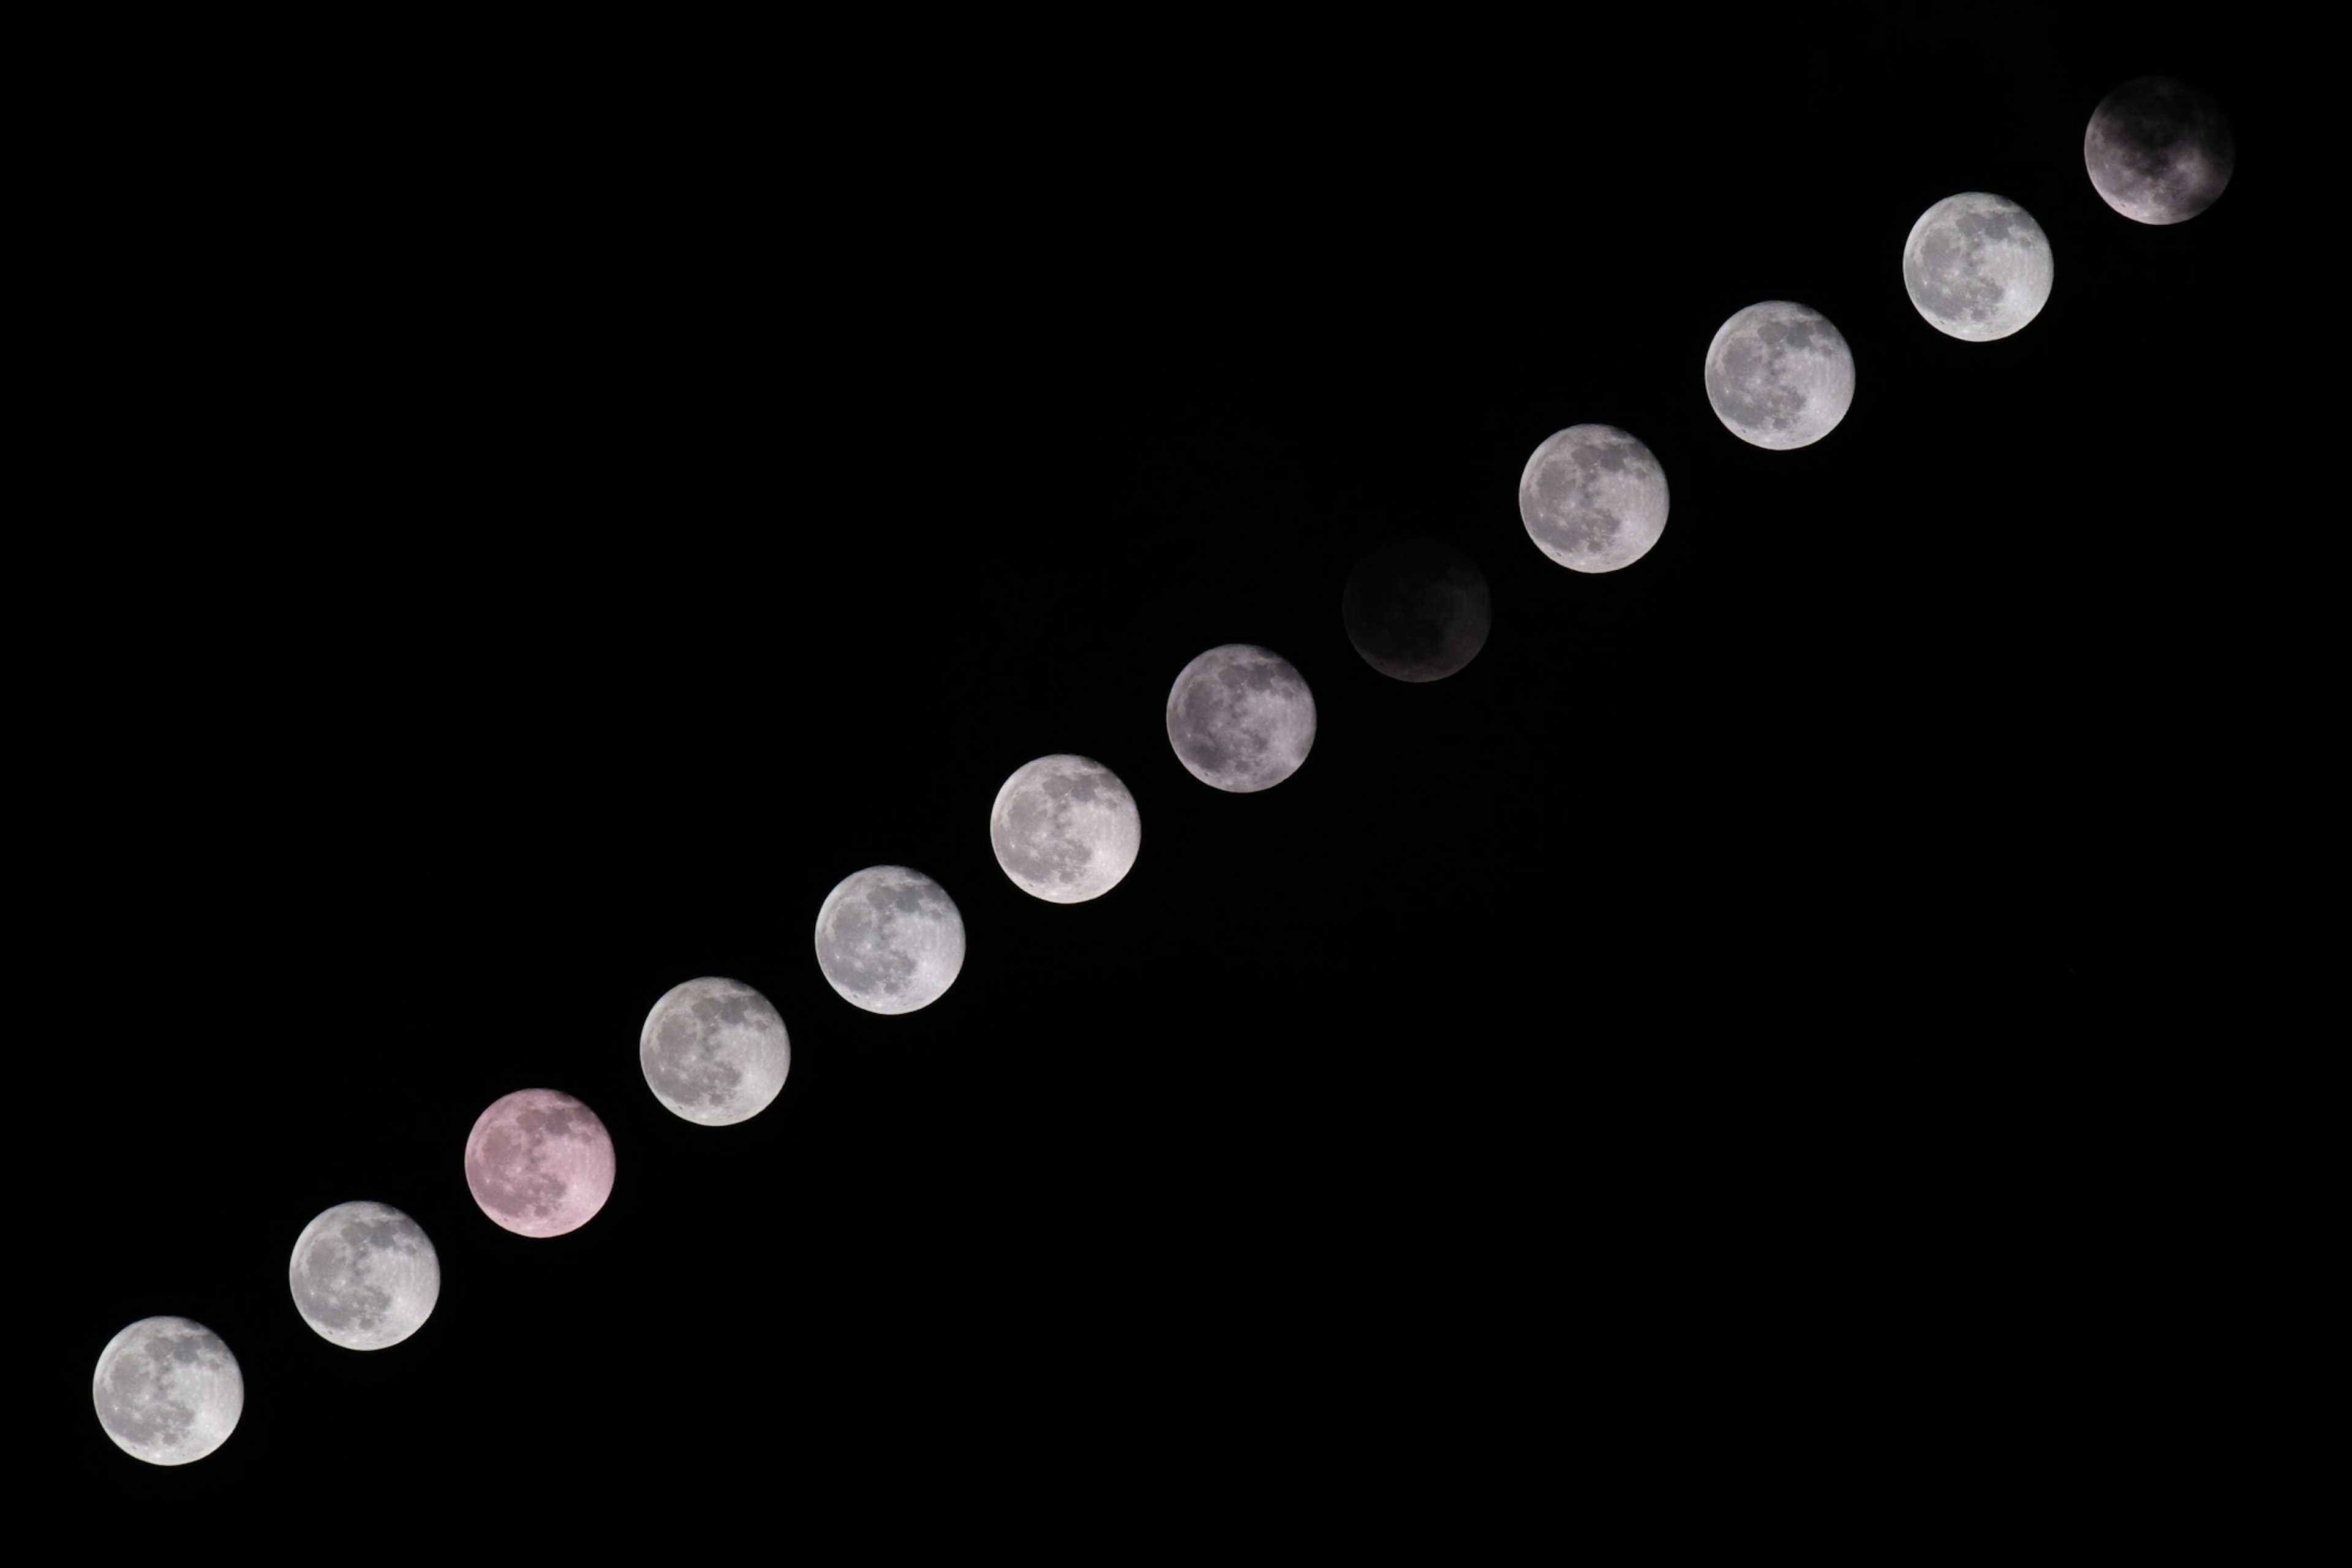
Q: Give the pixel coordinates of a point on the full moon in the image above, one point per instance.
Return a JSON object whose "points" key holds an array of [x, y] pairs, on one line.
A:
{"points": [[1417, 609], [714, 1051], [1241, 718], [1064, 829], [540, 1163], [364, 1276], [889, 939], [167, 1391], [1593, 497], [1779, 375], [2158, 150], [1978, 267]]}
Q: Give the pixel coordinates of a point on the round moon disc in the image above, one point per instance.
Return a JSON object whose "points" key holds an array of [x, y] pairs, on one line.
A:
{"points": [[1241, 718], [540, 1163], [1978, 267], [889, 939], [714, 1051], [364, 1276], [1779, 375], [167, 1391], [1593, 497], [1064, 829], [2158, 150], [1417, 609]]}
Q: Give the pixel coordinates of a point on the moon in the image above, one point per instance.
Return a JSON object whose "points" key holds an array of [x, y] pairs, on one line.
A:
{"points": [[889, 939], [2158, 150], [1241, 718], [167, 1391], [714, 1051], [1065, 829], [1593, 497], [364, 1276], [1978, 267], [1417, 609], [540, 1163], [1779, 375]]}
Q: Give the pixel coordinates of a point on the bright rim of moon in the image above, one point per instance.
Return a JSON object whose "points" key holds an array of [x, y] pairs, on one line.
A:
{"points": [[364, 1276], [1978, 267], [889, 939], [2159, 150], [540, 1163], [1593, 497], [715, 1051], [167, 1391], [1779, 375], [1241, 718], [1065, 829]]}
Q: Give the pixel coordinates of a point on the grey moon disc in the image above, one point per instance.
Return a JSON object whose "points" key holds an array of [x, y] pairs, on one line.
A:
{"points": [[1065, 829], [1241, 718], [2158, 150], [1978, 267], [889, 939], [539, 1163], [364, 1276], [715, 1051], [1593, 497], [1779, 375], [1417, 609], [167, 1391]]}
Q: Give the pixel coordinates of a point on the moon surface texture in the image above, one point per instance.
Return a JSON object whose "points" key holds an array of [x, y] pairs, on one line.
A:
{"points": [[715, 1051], [1417, 609], [889, 939], [1241, 718], [167, 1391], [2159, 150], [1593, 497], [1064, 829], [364, 1276], [1978, 267], [1779, 375], [540, 1163]]}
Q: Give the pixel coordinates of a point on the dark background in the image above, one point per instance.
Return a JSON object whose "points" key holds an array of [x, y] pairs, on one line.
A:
{"points": [[533, 513]]}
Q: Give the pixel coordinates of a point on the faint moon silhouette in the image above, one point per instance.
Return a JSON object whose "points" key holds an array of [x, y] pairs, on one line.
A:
{"points": [[1241, 718], [2158, 150], [1065, 829], [1779, 375], [1417, 609], [167, 1391], [714, 1051], [1978, 267], [889, 939], [1593, 497], [540, 1163], [364, 1276]]}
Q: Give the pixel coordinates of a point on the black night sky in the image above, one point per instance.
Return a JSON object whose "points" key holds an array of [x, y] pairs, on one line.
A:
{"points": [[541, 511]]}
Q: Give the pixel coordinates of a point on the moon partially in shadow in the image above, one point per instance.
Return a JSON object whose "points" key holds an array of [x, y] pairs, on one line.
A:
{"points": [[1241, 718], [889, 939], [2158, 150], [1779, 375], [714, 1051], [167, 1391], [1978, 267], [1593, 497], [364, 1276], [1064, 829], [1417, 609], [540, 1163]]}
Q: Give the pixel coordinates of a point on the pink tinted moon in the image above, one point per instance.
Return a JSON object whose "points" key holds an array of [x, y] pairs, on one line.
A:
{"points": [[540, 1163]]}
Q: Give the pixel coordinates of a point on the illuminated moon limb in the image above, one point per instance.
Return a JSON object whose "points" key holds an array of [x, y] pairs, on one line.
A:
{"points": [[889, 939], [1779, 375], [1241, 718], [1593, 497], [1065, 829], [167, 1391], [364, 1276], [1978, 267], [540, 1163], [714, 1051]]}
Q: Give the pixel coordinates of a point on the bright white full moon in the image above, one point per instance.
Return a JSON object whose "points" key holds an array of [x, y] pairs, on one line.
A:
{"points": [[167, 1391], [714, 1051], [540, 1163], [1779, 375], [889, 939], [1241, 718], [364, 1276], [1065, 829], [1978, 267], [1593, 497]]}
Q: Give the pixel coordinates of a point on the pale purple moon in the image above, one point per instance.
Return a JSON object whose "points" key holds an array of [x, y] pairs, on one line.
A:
{"points": [[540, 1163]]}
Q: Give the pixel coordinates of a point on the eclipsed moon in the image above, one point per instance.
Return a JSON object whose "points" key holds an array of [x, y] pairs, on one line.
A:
{"points": [[1593, 497], [1241, 718], [889, 939], [1065, 829], [1779, 375], [1978, 267], [714, 1051], [364, 1276], [167, 1391], [1417, 609], [2159, 150], [540, 1163]]}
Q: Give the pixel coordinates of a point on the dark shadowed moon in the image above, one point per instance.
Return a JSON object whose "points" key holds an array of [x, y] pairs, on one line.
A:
{"points": [[1417, 609], [2158, 150]]}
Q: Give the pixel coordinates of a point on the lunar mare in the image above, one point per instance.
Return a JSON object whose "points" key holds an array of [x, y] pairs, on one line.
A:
{"points": [[1241, 718], [1593, 497], [540, 1163], [167, 1391], [1779, 375], [889, 939], [364, 1276], [2158, 150], [714, 1051], [1978, 267], [1417, 609], [1065, 829]]}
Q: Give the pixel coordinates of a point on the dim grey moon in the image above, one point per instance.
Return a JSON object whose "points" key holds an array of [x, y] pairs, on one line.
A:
{"points": [[1779, 375], [167, 1391], [2159, 150], [540, 1163], [1241, 718], [1978, 267], [1065, 829], [364, 1276], [714, 1051], [889, 939], [1417, 609], [1593, 497]]}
